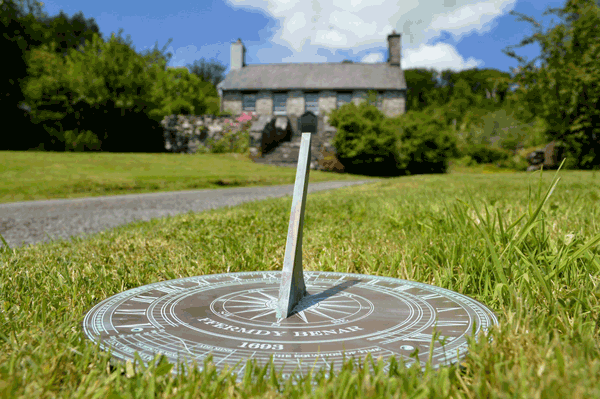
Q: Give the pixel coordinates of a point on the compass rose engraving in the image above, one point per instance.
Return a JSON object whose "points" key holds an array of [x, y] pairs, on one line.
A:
{"points": [[258, 307], [299, 319]]}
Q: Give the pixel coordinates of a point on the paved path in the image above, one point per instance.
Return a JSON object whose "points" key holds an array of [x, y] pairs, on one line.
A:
{"points": [[31, 222]]}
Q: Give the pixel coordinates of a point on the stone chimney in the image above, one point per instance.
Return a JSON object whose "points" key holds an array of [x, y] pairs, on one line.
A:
{"points": [[238, 55], [394, 47]]}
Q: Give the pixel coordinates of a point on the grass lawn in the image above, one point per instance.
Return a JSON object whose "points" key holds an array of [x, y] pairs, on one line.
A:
{"points": [[528, 252], [27, 176]]}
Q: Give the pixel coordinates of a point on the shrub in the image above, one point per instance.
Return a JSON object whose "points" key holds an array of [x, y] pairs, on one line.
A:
{"points": [[363, 142], [425, 143], [482, 153]]}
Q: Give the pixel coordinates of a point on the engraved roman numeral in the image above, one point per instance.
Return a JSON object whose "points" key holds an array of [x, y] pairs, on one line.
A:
{"points": [[339, 280], [403, 288], [202, 282], [430, 296], [451, 323], [135, 312], [447, 309], [168, 288], [138, 325], [371, 282], [426, 338], [419, 338], [144, 299]]}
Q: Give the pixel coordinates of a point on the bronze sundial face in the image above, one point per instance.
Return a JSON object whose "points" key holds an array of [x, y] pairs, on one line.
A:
{"points": [[233, 316], [302, 320]]}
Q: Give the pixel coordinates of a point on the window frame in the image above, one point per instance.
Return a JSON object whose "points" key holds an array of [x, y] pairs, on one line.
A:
{"points": [[245, 108], [338, 102], [314, 110], [275, 105]]}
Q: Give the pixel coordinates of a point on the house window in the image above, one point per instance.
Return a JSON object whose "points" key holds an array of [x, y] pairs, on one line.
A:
{"points": [[279, 103], [311, 103], [343, 98], [249, 102]]}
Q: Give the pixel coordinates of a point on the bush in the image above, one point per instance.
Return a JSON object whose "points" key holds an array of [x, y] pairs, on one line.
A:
{"points": [[364, 143], [482, 153], [231, 142], [516, 162], [425, 143]]}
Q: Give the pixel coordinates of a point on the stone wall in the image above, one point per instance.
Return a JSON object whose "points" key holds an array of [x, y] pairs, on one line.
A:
{"points": [[267, 132], [192, 133], [393, 103], [189, 133], [327, 101], [295, 103], [264, 103], [232, 101]]}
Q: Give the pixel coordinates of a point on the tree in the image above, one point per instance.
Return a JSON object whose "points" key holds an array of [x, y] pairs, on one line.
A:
{"points": [[209, 71], [420, 84], [364, 143], [462, 100], [22, 31], [14, 41], [182, 93], [67, 32], [562, 85], [424, 143], [101, 98]]}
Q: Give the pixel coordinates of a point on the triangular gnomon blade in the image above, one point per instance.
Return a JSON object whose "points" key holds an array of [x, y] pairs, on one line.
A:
{"points": [[292, 288]]}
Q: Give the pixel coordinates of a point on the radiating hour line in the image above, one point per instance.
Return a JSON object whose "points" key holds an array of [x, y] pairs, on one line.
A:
{"points": [[302, 316], [270, 311], [314, 311], [329, 310], [267, 295], [246, 306], [327, 304], [257, 303]]}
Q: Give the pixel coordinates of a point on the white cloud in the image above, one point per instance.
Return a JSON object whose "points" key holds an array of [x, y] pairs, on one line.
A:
{"points": [[471, 17], [372, 58], [439, 56], [361, 26]]}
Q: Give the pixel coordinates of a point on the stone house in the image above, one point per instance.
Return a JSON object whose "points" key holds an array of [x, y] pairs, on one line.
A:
{"points": [[290, 90]]}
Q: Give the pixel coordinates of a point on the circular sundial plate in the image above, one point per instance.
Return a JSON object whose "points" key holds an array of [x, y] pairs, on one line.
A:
{"points": [[232, 316]]}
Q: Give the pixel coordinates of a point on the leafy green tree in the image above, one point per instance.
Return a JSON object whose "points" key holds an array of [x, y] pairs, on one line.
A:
{"points": [[100, 98], [182, 93], [421, 84], [563, 83], [209, 71], [363, 142], [67, 32], [424, 143], [16, 27], [462, 100]]}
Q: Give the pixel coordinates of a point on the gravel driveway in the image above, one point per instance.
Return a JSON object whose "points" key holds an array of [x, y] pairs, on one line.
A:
{"points": [[31, 222]]}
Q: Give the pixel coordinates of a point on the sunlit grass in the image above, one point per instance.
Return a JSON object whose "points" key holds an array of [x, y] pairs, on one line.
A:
{"points": [[27, 176], [527, 247]]}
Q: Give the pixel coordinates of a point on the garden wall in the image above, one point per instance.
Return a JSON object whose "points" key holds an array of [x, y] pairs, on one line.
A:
{"points": [[194, 133]]}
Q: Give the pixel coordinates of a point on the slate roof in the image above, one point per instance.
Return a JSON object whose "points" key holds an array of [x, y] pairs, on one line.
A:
{"points": [[317, 76]]}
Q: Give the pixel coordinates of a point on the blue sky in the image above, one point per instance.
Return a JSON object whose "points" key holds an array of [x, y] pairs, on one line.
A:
{"points": [[440, 34]]}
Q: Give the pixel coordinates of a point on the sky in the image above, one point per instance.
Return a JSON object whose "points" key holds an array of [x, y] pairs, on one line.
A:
{"points": [[438, 34]]}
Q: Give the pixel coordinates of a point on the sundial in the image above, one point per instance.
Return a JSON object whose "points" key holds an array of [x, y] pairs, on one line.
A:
{"points": [[303, 320]]}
